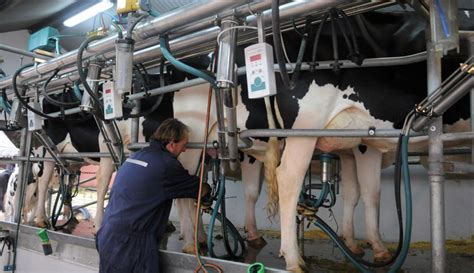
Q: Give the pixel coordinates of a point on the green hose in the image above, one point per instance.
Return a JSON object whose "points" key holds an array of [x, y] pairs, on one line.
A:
{"points": [[225, 224], [182, 66], [5, 105], [408, 203]]}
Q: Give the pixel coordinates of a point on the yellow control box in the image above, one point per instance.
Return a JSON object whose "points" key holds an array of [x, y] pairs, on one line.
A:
{"points": [[125, 6]]}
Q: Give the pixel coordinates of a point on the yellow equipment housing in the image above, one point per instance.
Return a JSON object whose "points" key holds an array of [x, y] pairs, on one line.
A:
{"points": [[125, 6]]}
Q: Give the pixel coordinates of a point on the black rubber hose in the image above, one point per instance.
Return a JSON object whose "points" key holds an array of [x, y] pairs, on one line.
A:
{"points": [[130, 29], [53, 101], [316, 41], [335, 49], [299, 59], [82, 74], [153, 107], [277, 44], [356, 57], [19, 96], [397, 181]]}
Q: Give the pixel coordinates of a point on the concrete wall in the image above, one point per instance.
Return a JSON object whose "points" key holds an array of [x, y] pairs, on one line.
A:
{"points": [[459, 206], [18, 39]]}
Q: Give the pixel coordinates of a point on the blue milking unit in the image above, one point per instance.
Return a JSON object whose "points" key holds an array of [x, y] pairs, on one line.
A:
{"points": [[308, 204], [44, 39]]}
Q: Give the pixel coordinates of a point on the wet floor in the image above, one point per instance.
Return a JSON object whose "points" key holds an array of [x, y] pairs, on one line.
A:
{"points": [[321, 255]]}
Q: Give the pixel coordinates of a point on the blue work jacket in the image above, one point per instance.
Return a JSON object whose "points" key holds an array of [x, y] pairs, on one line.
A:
{"points": [[139, 207]]}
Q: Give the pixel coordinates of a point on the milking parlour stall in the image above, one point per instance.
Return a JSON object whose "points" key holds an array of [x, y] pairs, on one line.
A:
{"points": [[334, 136]]}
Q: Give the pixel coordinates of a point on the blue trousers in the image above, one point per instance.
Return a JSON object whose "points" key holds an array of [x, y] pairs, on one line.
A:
{"points": [[122, 252]]}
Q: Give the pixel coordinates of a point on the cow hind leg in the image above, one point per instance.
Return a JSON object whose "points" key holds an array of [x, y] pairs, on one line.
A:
{"points": [[252, 180], [369, 164], [290, 175], [350, 196]]}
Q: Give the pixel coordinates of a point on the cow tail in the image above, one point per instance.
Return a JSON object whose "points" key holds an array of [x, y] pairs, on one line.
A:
{"points": [[272, 159]]}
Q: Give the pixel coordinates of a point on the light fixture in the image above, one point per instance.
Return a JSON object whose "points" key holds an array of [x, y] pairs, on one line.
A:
{"points": [[88, 13]]}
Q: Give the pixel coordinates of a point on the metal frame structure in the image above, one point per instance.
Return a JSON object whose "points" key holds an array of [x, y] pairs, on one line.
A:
{"points": [[190, 38]]}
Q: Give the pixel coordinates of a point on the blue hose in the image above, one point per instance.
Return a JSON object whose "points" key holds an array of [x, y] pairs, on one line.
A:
{"points": [[408, 203], [5, 105], [226, 224], [442, 17], [77, 91], [408, 225], [320, 224], [154, 13], [182, 66]]}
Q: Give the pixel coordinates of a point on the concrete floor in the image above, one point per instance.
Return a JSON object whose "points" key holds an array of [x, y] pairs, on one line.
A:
{"points": [[322, 256]]}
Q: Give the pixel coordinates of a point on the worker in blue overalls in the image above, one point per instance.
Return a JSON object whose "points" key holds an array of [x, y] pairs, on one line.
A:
{"points": [[140, 202]]}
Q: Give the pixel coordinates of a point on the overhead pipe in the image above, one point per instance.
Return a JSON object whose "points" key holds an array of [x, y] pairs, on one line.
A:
{"points": [[204, 38], [176, 18], [370, 62], [180, 46], [242, 11], [23, 52]]}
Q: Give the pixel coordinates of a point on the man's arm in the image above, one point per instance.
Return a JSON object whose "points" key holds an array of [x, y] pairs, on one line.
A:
{"points": [[179, 183]]}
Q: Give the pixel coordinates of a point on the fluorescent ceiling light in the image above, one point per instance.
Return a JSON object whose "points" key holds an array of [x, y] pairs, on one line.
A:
{"points": [[88, 13]]}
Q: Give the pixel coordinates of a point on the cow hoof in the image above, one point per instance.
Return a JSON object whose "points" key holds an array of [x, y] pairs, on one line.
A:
{"points": [[358, 251], [189, 249], [257, 243], [43, 224], [73, 223], [296, 270], [382, 256], [170, 228]]}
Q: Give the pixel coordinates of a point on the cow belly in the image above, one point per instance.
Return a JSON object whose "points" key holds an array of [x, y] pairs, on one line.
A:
{"points": [[348, 119]]}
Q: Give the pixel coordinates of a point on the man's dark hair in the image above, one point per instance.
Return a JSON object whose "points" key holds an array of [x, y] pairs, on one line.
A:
{"points": [[170, 130]]}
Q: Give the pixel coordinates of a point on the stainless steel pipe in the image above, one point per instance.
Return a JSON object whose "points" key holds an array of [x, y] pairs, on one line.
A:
{"points": [[22, 52], [179, 17]]}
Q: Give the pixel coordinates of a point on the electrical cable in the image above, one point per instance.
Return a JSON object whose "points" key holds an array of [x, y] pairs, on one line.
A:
{"points": [[202, 266], [53, 101]]}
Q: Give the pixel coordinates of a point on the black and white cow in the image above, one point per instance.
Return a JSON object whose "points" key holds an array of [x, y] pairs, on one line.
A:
{"points": [[4, 177], [359, 98], [9, 181], [349, 99]]}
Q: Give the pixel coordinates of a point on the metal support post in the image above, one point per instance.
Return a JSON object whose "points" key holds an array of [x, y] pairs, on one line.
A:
{"points": [[226, 84], [435, 173], [471, 53], [25, 144], [135, 122]]}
